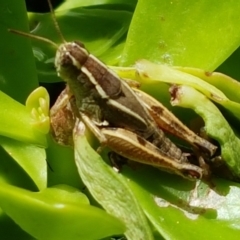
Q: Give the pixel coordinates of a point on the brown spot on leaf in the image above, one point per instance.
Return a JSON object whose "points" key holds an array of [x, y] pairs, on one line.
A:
{"points": [[145, 75], [162, 18], [162, 45], [208, 74], [173, 91]]}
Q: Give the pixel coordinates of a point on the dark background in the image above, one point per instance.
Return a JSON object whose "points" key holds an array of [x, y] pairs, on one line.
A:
{"points": [[40, 5]]}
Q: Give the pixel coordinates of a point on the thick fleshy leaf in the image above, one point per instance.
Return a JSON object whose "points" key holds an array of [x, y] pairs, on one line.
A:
{"points": [[229, 86], [215, 124], [148, 71], [180, 209], [17, 67], [31, 159], [37, 104], [11, 172], [109, 188], [62, 167], [57, 213], [15, 122], [184, 33]]}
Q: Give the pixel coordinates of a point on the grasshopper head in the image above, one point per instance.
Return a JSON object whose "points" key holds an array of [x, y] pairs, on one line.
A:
{"points": [[70, 57]]}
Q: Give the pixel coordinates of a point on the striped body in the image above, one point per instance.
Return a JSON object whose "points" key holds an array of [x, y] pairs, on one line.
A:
{"points": [[103, 96]]}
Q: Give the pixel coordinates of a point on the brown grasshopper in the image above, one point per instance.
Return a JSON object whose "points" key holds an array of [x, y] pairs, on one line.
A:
{"points": [[104, 100], [116, 114], [126, 143], [102, 96]]}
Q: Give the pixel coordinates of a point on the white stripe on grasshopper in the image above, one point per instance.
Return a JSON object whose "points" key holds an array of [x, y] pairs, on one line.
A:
{"points": [[93, 81], [74, 61], [125, 109]]}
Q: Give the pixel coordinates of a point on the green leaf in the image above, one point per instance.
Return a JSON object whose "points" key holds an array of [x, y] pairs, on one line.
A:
{"points": [[63, 167], [229, 86], [184, 33], [11, 172], [17, 67], [109, 188], [38, 104], [31, 159], [18, 124], [15, 122], [181, 209], [7, 223], [147, 73], [57, 213], [215, 124]]}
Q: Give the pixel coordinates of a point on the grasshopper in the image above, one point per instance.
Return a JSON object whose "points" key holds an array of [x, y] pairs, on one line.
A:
{"points": [[126, 143], [116, 114], [102, 96]]}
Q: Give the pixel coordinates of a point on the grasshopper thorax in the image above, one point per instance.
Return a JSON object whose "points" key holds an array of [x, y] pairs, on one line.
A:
{"points": [[70, 56]]}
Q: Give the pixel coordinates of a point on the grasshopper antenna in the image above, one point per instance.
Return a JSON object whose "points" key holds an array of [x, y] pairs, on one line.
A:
{"points": [[55, 21], [42, 38], [33, 36]]}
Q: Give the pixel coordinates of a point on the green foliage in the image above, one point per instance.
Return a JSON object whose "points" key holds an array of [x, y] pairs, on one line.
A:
{"points": [[169, 32], [42, 213], [108, 188], [215, 125], [189, 34]]}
